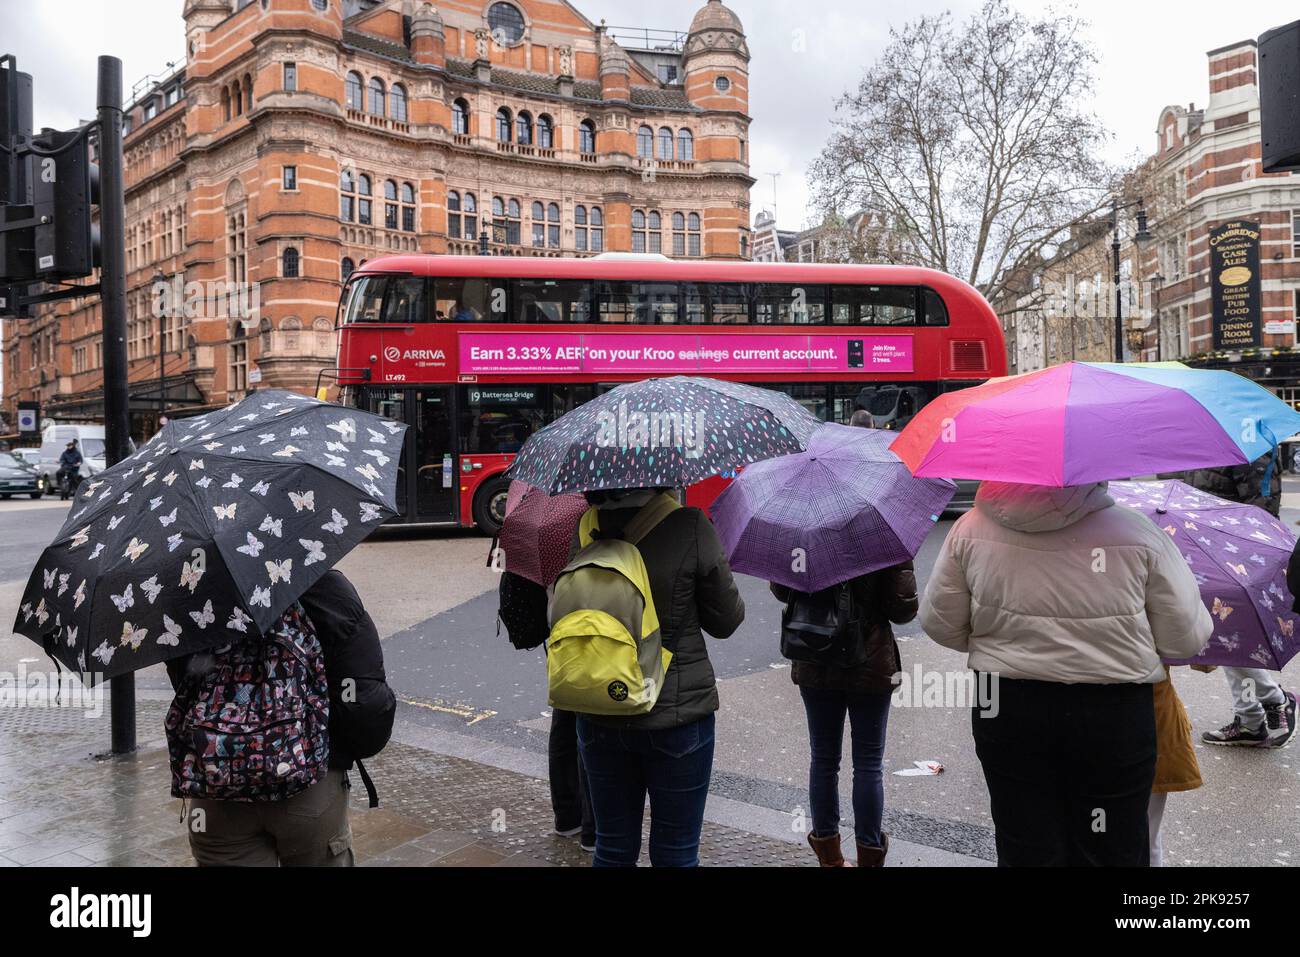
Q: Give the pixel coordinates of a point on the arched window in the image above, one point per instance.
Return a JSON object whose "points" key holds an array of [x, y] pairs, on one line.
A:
{"points": [[665, 143], [679, 234], [408, 207], [346, 268], [685, 145], [645, 142], [545, 132], [693, 234], [352, 91], [553, 225], [390, 204], [289, 263], [225, 103], [539, 225], [498, 207], [460, 117], [503, 125], [237, 98], [470, 204], [597, 230], [397, 103], [654, 227], [376, 96], [364, 216], [248, 93], [524, 129], [638, 231], [347, 201], [453, 215], [587, 137]]}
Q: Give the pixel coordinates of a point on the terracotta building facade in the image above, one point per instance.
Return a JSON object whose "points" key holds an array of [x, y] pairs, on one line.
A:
{"points": [[303, 137], [1205, 185]]}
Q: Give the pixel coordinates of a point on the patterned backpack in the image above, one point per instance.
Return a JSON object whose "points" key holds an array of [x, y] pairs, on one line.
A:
{"points": [[254, 727]]}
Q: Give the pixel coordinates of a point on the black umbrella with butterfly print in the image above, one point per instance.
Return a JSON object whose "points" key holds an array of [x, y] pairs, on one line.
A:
{"points": [[212, 529]]}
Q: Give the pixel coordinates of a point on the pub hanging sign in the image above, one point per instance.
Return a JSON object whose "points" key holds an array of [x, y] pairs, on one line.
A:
{"points": [[1234, 284]]}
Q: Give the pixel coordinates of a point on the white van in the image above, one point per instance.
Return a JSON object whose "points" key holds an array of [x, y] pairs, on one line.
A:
{"points": [[55, 438]]}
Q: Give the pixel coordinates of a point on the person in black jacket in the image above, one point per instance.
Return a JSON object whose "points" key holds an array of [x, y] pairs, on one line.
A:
{"points": [[666, 753], [862, 692], [310, 828]]}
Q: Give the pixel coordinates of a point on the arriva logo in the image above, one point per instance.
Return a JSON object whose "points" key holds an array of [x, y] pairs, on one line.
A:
{"points": [[394, 354]]}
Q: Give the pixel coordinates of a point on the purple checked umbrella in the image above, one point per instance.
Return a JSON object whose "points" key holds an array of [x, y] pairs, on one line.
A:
{"points": [[1238, 554], [844, 507]]}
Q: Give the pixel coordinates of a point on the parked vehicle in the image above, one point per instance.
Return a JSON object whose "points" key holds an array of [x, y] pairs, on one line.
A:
{"points": [[18, 477]]}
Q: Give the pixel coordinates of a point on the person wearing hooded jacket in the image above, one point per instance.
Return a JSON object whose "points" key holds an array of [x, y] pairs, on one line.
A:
{"points": [[667, 753], [1070, 604]]}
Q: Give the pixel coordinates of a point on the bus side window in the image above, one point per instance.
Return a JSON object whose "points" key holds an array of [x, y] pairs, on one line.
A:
{"points": [[729, 303], [462, 300], [936, 314], [407, 300]]}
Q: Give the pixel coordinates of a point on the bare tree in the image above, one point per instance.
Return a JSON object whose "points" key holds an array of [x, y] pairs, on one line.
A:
{"points": [[974, 142]]}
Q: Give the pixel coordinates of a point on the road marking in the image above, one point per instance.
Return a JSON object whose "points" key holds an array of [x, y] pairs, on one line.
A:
{"points": [[459, 710]]}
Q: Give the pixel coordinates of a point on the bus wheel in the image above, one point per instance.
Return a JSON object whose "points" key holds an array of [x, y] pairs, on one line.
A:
{"points": [[490, 505]]}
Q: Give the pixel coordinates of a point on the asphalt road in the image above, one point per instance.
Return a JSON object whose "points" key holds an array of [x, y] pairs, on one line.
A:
{"points": [[434, 601]]}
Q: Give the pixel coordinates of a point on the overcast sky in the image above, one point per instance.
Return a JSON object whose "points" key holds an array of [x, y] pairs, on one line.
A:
{"points": [[1152, 54]]}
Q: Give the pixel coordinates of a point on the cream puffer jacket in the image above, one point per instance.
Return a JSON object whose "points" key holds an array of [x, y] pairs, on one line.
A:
{"points": [[1059, 584]]}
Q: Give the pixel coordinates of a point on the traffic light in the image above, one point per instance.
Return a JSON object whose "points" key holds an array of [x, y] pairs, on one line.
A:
{"points": [[15, 166], [65, 187]]}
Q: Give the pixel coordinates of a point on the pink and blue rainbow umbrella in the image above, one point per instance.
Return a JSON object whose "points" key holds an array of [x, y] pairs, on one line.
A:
{"points": [[1094, 421]]}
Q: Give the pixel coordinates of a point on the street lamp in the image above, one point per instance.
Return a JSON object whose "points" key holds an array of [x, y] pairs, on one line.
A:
{"points": [[166, 309], [1159, 280], [1140, 237], [483, 249]]}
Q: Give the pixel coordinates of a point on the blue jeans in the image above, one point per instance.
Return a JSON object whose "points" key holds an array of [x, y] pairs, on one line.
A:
{"points": [[868, 717], [623, 765]]}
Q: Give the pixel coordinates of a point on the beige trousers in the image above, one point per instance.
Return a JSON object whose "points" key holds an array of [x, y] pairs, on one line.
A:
{"points": [[309, 829]]}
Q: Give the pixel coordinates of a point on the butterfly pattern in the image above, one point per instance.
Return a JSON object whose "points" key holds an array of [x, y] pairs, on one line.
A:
{"points": [[1238, 555], [236, 503]]}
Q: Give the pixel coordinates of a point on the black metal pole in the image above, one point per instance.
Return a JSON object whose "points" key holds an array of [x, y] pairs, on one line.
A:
{"points": [[1119, 295], [112, 294]]}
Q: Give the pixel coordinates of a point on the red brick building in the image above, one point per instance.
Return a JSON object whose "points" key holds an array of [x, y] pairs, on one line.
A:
{"points": [[302, 137], [1206, 173]]}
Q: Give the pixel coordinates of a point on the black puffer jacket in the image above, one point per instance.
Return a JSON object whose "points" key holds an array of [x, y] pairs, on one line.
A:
{"points": [[884, 596], [1244, 483], [693, 593], [362, 706]]}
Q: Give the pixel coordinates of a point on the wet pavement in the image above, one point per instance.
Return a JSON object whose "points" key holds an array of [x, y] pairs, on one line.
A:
{"points": [[464, 780]]}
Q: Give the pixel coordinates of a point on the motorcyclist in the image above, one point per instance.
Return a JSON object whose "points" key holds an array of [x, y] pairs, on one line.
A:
{"points": [[69, 467]]}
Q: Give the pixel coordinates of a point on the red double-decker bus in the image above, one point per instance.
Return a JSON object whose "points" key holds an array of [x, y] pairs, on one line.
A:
{"points": [[477, 353]]}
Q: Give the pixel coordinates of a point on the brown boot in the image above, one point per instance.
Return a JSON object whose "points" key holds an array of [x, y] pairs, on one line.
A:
{"points": [[869, 856], [828, 851]]}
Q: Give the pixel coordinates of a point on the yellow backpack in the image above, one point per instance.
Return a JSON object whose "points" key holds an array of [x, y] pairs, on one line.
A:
{"points": [[605, 654]]}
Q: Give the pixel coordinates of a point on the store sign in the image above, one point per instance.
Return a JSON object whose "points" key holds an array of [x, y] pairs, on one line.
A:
{"points": [[561, 353], [1235, 284]]}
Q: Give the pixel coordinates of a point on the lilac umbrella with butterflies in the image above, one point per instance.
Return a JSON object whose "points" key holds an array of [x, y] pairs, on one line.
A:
{"points": [[1238, 554], [210, 531]]}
